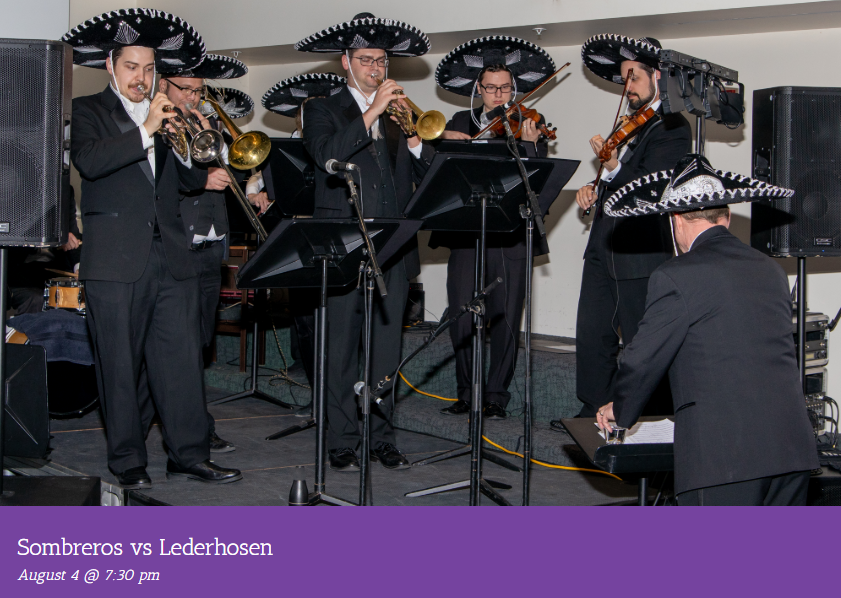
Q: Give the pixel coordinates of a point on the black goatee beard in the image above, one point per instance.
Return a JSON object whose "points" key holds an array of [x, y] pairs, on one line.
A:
{"points": [[640, 102]]}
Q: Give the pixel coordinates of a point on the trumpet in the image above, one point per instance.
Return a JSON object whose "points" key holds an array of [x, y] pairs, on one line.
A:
{"points": [[204, 146], [247, 150], [429, 125]]}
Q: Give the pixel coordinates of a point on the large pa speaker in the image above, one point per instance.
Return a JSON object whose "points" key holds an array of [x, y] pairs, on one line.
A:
{"points": [[35, 107], [26, 429], [797, 145]]}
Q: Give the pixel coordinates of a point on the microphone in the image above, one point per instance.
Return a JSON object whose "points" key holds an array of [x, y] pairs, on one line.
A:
{"points": [[334, 166], [498, 111]]}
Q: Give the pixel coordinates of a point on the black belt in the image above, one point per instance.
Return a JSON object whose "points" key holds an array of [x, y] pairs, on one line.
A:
{"points": [[203, 244]]}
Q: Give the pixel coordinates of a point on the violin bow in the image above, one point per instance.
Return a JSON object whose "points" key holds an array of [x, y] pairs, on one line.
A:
{"points": [[495, 121]]}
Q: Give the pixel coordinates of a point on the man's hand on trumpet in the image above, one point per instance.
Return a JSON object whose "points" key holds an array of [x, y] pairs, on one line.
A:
{"points": [[157, 113]]}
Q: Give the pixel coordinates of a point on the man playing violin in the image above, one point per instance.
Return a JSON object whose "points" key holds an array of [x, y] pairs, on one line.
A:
{"points": [[352, 126], [622, 253], [495, 83]]}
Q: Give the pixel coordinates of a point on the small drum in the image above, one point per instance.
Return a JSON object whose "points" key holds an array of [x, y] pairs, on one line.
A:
{"points": [[65, 293]]}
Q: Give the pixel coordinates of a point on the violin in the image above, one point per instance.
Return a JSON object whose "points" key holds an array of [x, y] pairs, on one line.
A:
{"points": [[527, 114], [517, 108]]}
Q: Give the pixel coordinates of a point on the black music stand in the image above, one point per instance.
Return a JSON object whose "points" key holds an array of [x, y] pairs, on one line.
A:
{"points": [[468, 193], [293, 177], [321, 253], [636, 459]]}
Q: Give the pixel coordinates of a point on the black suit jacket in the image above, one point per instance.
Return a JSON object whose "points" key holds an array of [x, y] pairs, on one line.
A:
{"points": [[121, 200], [718, 319], [513, 244], [639, 244], [333, 128]]}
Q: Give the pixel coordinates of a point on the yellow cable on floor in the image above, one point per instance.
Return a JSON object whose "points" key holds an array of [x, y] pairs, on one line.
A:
{"points": [[505, 450]]}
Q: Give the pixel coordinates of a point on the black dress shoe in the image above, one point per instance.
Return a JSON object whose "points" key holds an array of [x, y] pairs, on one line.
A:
{"points": [[343, 459], [389, 456], [218, 445], [134, 479], [494, 411], [206, 471], [458, 408]]}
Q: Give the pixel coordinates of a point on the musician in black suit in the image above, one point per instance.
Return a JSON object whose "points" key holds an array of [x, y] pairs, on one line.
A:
{"points": [[718, 321], [622, 253], [141, 285], [351, 126], [505, 255], [203, 211]]}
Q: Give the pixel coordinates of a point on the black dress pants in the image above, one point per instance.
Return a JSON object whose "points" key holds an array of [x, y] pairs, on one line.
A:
{"points": [[152, 323], [345, 357], [503, 313], [606, 307], [210, 285], [782, 490]]}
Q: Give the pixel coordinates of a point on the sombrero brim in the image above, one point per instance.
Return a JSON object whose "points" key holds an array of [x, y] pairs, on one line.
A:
{"points": [[236, 104], [216, 66], [395, 37], [603, 54], [704, 187], [530, 64], [178, 46], [286, 96]]}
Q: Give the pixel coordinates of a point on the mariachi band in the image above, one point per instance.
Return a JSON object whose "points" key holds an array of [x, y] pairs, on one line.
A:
{"points": [[155, 168]]}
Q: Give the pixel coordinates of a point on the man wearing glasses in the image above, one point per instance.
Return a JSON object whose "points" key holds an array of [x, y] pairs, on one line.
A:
{"points": [[352, 126], [505, 258]]}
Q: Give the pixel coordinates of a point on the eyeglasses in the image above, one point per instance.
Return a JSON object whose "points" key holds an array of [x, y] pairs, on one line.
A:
{"points": [[368, 61], [198, 90], [492, 89]]}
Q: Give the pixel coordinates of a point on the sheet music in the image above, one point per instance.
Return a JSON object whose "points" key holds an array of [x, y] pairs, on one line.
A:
{"points": [[659, 432]]}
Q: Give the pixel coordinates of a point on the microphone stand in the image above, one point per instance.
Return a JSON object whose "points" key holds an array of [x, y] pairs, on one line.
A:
{"points": [[372, 273], [532, 215]]}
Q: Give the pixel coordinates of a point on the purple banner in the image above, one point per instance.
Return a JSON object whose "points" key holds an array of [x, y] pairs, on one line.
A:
{"points": [[416, 551]]}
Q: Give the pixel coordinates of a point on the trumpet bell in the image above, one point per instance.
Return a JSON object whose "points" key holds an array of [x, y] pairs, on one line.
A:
{"points": [[430, 125], [206, 145], [249, 150]]}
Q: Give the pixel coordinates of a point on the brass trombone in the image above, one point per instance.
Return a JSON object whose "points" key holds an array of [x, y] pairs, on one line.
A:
{"points": [[248, 150], [429, 125]]}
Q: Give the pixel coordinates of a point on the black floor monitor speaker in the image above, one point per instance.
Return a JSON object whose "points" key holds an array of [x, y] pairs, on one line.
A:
{"points": [[35, 96], [27, 424], [797, 145]]}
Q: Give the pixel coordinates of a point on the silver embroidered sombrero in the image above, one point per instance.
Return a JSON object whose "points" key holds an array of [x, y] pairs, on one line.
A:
{"points": [[178, 46], [216, 66], [530, 64], [286, 96], [603, 54], [692, 185], [235, 103], [367, 31]]}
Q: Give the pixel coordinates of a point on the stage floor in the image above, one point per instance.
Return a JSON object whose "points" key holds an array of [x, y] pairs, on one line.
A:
{"points": [[269, 467]]}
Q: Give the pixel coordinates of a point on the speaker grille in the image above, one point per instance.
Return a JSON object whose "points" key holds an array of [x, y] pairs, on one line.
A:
{"points": [[31, 142], [797, 133]]}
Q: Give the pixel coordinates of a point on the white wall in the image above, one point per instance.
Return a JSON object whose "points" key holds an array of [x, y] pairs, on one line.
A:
{"points": [[35, 19]]}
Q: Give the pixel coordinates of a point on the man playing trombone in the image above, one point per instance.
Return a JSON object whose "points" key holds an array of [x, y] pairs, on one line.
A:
{"points": [[141, 285], [351, 126]]}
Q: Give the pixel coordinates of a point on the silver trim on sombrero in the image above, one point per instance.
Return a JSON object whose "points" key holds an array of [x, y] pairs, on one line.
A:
{"points": [[126, 32], [238, 104], [298, 79], [622, 41], [689, 196], [209, 59], [367, 21], [478, 62]]}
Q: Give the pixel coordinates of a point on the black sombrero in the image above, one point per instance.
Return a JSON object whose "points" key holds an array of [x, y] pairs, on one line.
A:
{"points": [[177, 45], [216, 66], [603, 54], [235, 103], [692, 185], [367, 31], [286, 96], [529, 64]]}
